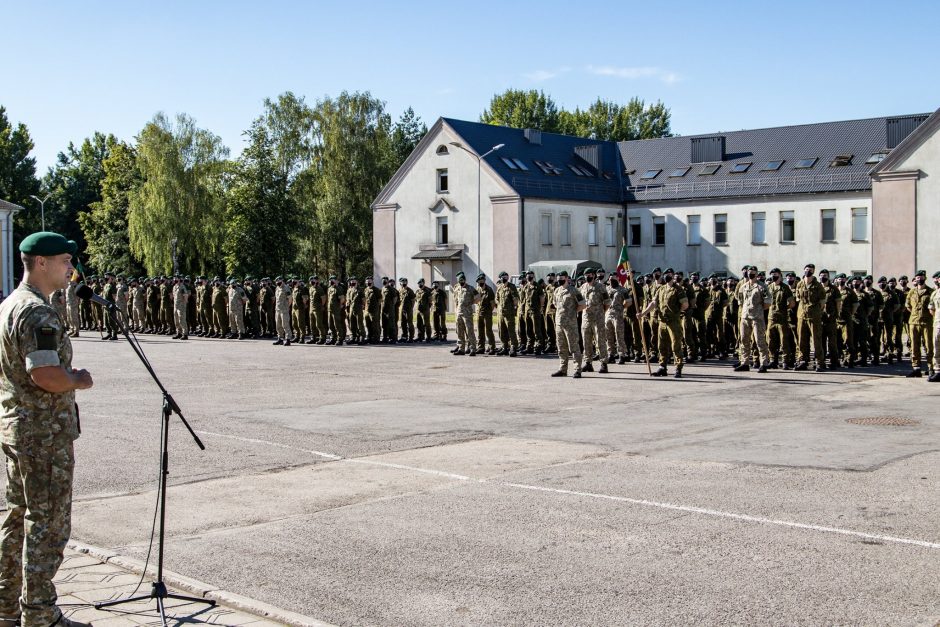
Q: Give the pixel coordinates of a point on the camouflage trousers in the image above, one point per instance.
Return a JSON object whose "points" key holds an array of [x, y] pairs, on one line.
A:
{"points": [[74, 321], [936, 346], [754, 330], [616, 334], [466, 338], [567, 336], [35, 531], [237, 317], [592, 329], [920, 335], [424, 324], [407, 323], [670, 341], [485, 329], [810, 328], [507, 331], [179, 318], [282, 320]]}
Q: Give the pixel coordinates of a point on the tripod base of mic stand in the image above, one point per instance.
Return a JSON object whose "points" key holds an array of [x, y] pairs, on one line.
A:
{"points": [[159, 592]]}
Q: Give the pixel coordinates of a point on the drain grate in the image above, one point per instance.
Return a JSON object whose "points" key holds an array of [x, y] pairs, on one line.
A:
{"points": [[884, 421]]}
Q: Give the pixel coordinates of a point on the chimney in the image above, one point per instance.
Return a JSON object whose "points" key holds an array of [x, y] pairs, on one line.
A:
{"points": [[708, 149], [533, 136], [897, 129]]}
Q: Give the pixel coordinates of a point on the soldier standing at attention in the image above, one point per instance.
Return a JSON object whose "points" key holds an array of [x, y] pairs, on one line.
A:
{"points": [[282, 305], [521, 315], [373, 311], [890, 317], [300, 310], [180, 301], [406, 311], [533, 303], [335, 306], [592, 322], [507, 300], [465, 297], [389, 330], [829, 320], [613, 320], [318, 308], [778, 327], [920, 322], [934, 308], [485, 315], [355, 304], [219, 308], [568, 302], [423, 306], [671, 301], [166, 307], [811, 300], [72, 309], [38, 426], [551, 344], [874, 320], [439, 311], [905, 315], [754, 301], [237, 306], [109, 293], [863, 315]]}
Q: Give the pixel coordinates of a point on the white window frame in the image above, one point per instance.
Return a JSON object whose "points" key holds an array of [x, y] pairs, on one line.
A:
{"points": [[610, 230], [659, 220], [564, 229], [442, 221], [785, 216], [638, 240], [443, 176], [759, 216], [859, 213], [721, 218], [822, 225], [545, 228], [694, 235], [592, 231]]}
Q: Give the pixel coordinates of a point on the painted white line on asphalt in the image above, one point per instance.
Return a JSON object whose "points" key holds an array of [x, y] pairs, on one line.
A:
{"points": [[608, 497], [339, 458]]}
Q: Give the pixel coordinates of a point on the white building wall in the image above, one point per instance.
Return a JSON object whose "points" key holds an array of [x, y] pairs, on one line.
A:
{"points": [[580, 213], [842, 255], [419, 206], [926, 159]]}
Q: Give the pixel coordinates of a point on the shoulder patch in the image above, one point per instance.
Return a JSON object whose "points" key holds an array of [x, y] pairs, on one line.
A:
{"points": [[46, 338]]}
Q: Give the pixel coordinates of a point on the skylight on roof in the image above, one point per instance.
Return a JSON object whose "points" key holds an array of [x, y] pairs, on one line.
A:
{"points": [[877, 157], [575, 170], [650, 174], [678, 172], [519, 163], [740, 168], [803, 164], [771, 166], [840, 161], [510, 163], [709, 169]]}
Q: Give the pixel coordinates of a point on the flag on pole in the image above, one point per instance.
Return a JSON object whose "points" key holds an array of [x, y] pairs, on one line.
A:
{"points": [[78, 271], [623, 266]]}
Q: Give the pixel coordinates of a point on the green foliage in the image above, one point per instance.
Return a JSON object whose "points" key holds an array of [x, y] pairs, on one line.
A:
{"points": [[181, 197], [523, 109], [407, 132], [261, 217], [105, 225], [18, 180], [604, 119], [354, 159]]}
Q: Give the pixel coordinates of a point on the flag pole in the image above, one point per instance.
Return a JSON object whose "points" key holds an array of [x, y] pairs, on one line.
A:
{"points": [[636, 306]]}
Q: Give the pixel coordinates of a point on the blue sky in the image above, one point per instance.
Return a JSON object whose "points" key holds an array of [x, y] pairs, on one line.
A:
{"points": [[71, 68]]}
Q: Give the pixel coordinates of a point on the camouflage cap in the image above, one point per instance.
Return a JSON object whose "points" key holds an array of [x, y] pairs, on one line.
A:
{"points": [[47, 244]]}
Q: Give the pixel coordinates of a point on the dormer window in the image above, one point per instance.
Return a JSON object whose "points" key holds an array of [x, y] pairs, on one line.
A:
{"points": [[442, 150]]}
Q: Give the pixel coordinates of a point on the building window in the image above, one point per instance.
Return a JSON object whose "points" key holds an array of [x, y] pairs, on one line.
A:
{"points": [[787, 227], [680, 172], [803, 164], [695, 230], [708, 170], [442, 150], [841, 161], [772, 166], [659, 231], [546, 229], [609, 231], [650, 174], [721, 228], [510, 163], [442, 181], [635, 231], [564, 234], [860, 224], [740, 168], [442, 230], [592, 231], [828, 225], [758, 227]]}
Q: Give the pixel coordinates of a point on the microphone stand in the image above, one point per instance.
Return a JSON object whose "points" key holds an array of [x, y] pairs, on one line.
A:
{"points": [[158, 589]]}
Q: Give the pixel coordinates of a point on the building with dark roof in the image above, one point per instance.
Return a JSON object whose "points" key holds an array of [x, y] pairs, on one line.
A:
{"points": [[7, 211], [769, 197]]}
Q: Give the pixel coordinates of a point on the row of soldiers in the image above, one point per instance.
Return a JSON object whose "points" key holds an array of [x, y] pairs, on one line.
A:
{"points": [[772, 320], [288, 309]]}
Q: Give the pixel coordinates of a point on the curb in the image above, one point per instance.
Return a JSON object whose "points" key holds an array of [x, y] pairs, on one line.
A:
{"points": [[201, 589]]}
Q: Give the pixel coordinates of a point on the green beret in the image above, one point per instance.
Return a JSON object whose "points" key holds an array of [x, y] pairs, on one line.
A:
{"points": [[775, 271], [311, 278], [332, 277], [461, 274], [922, 273], [352, 278], [481, 276], [903, 277], [823, 270], [841, 275], [421, 281], [369, 278], [47, 244], [563, 273], [869, 278], [655, 270], [278, 278], [882, 279], [403, 280], [810, 265], [503, 273]]}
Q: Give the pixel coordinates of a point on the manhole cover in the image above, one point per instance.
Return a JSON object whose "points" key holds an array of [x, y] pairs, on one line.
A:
{"points": [[884, 421]]}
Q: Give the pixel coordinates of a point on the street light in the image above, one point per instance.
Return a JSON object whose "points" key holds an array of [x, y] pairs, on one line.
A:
{"points": [[479, 179], [42, 208]]}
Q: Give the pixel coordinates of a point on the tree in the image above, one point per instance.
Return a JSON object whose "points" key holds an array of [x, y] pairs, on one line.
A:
{"points": [[18, 180], [105, 225], [407, 132], [260, 215], [180, 198], [523, 109], [354, 160], [74, 184]]}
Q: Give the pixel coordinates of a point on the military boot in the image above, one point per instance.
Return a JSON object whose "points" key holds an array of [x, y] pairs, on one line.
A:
{"points": [[622, 360], [662, 372], [577, 374], [278, 342], [678, 374], [742, 367], [602, 369], [588, 367], [560, 373], [934, 378], [914, 374]]}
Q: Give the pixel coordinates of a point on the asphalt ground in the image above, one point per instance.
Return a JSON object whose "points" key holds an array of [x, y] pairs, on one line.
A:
{"points": [[401, 485]]}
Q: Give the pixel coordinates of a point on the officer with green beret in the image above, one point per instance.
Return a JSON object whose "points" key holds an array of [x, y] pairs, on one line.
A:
{"points": [[406, 306], [485, 315], [423, 310], [920, 323], [507, 303], [37, 429]]}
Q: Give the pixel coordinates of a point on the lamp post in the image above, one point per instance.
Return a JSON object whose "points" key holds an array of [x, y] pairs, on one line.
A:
{"points": [[479, 192], [42, 208]]}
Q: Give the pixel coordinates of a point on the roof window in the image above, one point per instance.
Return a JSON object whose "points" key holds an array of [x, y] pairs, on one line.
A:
{"points": [[840, 161], [709, 169], [679, 172], [650, 174], [803, 164], [772, 166], [519, 163], [548, 168], [740, 168], [877, 157], [510, 163]]}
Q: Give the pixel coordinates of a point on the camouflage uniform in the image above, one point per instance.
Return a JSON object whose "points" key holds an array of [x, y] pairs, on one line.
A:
{"points": [[72, 309], [592, 322], [811, 300], [37, 430], [614, 321], [753, 297], [236, 304], [439, 312], [406, 312], [282, 303], [180, 310], [507, 299], [423, 307], [373, 313], [464, 298], [567, 301]]}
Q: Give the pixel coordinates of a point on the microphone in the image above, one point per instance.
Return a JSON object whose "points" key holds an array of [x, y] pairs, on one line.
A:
{"points": [[86, 293]]}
